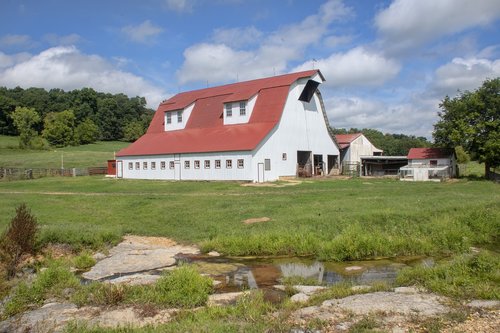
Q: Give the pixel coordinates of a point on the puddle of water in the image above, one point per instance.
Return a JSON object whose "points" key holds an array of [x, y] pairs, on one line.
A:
{"points": [[235, 274]]}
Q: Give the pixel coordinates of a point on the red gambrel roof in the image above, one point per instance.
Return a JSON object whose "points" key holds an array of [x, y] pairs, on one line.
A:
{"points": [[344, 140], [425, 153], [205, 130]]}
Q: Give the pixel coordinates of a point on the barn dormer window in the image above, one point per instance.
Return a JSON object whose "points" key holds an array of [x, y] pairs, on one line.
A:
{"points": [[243, 108], [308, 91], [179, 116], [229, 110], [169, 117]]}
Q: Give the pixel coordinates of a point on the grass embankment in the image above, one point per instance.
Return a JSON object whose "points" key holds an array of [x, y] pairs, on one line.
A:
{"points": [[333, 219], [83, 156]]}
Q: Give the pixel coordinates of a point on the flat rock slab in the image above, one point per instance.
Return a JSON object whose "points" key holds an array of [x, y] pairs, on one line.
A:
{"points": [[54, 317], [401, 303], [224, 299], [135, 279], [138, 254]]}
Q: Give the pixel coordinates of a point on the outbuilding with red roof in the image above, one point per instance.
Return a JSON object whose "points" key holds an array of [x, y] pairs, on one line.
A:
{"points": [[430, 164], [256, 130]]}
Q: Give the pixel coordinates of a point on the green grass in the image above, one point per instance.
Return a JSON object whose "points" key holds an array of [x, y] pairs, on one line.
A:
{"points": [[466, 277], [83, 156], [333, 219]]}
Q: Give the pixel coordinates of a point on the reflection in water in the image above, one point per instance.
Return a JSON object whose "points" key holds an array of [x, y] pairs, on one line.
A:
{"points": [[264, 273]]}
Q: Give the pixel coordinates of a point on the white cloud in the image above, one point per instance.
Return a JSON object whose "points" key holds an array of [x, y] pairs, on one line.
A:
{"points": [[237, 37], [55, 39], [407, 24], [142, 33], [16, 40], [222, 62], [357, 67], [10, 60], [180, 6], [400, 117], [334, 41], [67, 68], [464, 74]]}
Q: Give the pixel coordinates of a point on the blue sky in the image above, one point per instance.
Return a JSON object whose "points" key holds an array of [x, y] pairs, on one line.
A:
{"points": [[387, 64]]}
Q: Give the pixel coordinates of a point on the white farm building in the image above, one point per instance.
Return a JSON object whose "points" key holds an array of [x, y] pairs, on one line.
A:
{"points": [[256, 130]]}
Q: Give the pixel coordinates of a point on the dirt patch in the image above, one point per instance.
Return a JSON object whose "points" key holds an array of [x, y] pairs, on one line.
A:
{"points": [[257, 220], [279, 184], [151, 241]]}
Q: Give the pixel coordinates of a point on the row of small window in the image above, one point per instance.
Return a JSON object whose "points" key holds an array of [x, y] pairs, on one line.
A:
{"points": [[169, 117], [229, 109], [187, 164]]}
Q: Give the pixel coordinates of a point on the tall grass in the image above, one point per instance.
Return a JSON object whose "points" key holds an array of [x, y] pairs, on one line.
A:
{"points": [[465, 277]]}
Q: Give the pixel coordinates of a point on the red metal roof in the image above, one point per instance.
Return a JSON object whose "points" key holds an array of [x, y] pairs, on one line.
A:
{"points": [[344, 140], [205, 130], [424, 153]]}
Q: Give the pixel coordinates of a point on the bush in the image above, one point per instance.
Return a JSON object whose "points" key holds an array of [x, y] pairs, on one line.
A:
{"points": [[18, 239]]}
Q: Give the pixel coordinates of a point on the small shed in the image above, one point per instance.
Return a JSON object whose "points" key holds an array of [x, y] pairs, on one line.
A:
{"points": [[430, 164], [353, 147]]}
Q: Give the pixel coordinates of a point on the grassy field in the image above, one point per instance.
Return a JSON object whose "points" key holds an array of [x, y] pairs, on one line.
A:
{"points": [[330, 219], [73, 157]]}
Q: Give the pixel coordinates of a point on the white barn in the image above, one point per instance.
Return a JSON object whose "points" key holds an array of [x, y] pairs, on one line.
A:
{"points": [[257, 130], [430, 164]]}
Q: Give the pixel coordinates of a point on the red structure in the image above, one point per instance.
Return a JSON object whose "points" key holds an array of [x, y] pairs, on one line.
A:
{"points": [[112, 167]]}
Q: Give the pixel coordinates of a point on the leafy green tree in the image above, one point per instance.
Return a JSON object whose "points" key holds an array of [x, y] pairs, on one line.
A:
{"points": [[86, 132], [59, 127], [133, 131], [472, 120], [25, 120]]}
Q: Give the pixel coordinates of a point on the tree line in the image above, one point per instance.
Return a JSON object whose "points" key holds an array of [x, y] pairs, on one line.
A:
{"points": [[80, 116], [391, 144]]}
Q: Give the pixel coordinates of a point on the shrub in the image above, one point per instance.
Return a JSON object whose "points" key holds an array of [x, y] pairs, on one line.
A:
{"points": [[18, 239]]}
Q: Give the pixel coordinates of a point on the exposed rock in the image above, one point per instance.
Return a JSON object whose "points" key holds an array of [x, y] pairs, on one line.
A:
{"points": [[99, 256], [299, 298], [53, 317], [484, 304], [213, 254], [224, 299], [138, 254], [136, 279], [353, 268], [402, 303], [308, 290]]}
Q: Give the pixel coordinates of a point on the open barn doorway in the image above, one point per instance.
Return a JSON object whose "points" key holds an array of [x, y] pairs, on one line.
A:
{"points": [[304, 164]]}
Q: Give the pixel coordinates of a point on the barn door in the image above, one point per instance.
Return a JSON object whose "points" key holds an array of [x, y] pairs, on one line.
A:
{"points": [[119, 169], [177, 170], [260, 172]]}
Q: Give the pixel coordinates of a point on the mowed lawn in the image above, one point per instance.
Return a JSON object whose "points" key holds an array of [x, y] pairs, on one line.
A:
{"points": [[330, 219], [84, 156]]}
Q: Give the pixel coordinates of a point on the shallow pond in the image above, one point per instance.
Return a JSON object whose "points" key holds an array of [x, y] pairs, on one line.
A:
{"points": [[236, 274]]}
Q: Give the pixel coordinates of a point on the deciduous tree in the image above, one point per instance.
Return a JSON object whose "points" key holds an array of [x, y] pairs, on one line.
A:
{"points": [[25, 120], [472, 120]]}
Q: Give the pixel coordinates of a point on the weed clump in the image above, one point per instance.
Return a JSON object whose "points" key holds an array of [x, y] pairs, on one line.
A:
{"points": [[51, 282], [18, 239]]}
